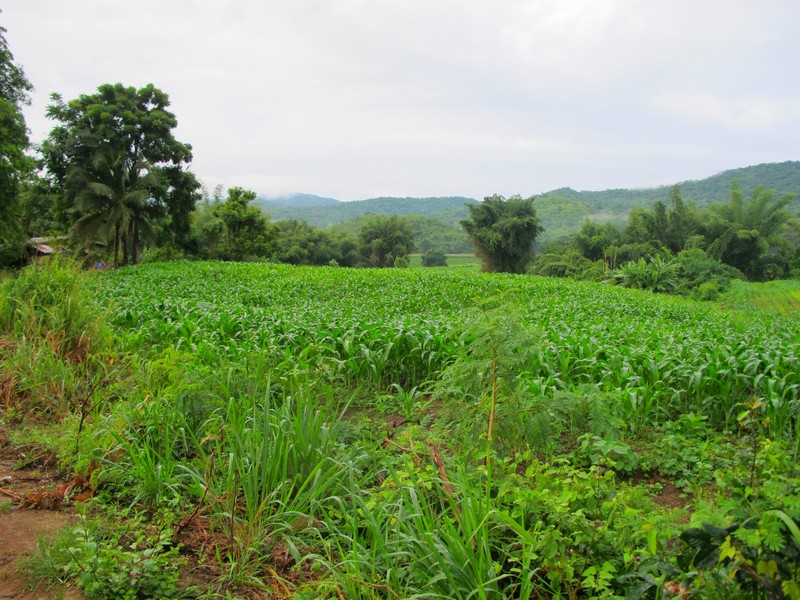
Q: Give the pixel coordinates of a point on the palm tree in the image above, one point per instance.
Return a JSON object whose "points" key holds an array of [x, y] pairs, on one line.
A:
{"points": [[111, 197]]}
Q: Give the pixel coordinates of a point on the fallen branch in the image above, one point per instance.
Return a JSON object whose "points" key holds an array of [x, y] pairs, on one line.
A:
{"points": [[193, 515], [388, 442], [12, 495]]}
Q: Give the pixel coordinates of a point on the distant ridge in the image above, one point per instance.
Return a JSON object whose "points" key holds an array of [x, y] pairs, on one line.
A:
{"points": [[294, 200], [564, 210], [781, 177], [449, 209]]}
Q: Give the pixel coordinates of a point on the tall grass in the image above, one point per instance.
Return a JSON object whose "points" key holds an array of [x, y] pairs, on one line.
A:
{"points": [[53, 338], [277, 463], [50, 299]]}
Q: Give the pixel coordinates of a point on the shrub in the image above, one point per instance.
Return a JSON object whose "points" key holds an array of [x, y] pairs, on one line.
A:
{"points": [[434, 258], [656, 274]]}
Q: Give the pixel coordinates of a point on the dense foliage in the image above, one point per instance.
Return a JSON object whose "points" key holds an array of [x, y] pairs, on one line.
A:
{"points": [[14, 164], [503, 232], [704, 249], [434, 258], [385, 241]]}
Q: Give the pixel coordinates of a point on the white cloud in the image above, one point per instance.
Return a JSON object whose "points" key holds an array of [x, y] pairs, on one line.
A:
{"points": [[750, 113]]}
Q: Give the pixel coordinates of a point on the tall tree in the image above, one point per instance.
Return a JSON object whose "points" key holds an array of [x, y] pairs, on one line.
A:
{"points": [[136, 126], [682, 222], [247, 232], [14, 164], [594, 238], [503, 232]]}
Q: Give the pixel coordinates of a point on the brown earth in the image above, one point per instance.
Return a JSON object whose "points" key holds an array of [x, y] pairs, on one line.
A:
{"points": [[21, 528]]}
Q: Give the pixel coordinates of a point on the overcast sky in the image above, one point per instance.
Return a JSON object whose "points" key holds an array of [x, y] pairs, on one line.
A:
{"points": [[360, 98]]}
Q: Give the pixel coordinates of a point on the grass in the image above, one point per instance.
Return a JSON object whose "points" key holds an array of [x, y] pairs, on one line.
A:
{"points": [[777, 297]]}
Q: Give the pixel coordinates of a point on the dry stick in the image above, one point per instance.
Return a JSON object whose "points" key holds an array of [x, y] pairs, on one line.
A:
{"points": [[184, 522], [388, 442], [377, 586], [446, 485], [490, 432], [83, 410], [12, 495]]}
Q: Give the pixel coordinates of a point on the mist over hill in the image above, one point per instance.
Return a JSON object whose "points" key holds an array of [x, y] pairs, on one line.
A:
{"points": [[294, 201]]}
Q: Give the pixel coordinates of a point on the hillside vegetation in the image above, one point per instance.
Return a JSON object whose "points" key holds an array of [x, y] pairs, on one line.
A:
{"points": [[449, 209]]}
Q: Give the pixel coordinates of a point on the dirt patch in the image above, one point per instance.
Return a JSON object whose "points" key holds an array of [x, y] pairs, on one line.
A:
{"points": [[664, 492], [21, 529]]}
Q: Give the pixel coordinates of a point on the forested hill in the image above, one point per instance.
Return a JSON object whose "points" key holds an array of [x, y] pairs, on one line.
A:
{"points": [[561, 211], [450, 209], [781, 177], [294, 201]]}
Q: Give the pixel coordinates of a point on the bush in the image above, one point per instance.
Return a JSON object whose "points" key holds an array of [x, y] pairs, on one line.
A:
{"points": [[126, 562], [49, 330], [568, 264], [657, 274], [434, 258], [704, 277]]}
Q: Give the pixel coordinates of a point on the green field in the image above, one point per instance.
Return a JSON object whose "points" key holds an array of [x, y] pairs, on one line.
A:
{"points": [[468, 262], [779, 297], [430, 433]]}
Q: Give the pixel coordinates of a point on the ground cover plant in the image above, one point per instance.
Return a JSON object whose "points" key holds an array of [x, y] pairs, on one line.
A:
{"points": [[432, 433]]}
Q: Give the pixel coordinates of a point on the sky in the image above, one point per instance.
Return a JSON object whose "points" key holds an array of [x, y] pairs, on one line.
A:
{"points": [[354, 99]]}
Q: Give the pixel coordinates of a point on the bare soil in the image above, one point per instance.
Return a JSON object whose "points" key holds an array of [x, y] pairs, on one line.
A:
{"points": [[21, 528]]}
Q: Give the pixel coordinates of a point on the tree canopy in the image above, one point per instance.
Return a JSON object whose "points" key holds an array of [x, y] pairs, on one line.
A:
{"points": [[385, 240], [503, 232], [246, 232], [134, 126]]}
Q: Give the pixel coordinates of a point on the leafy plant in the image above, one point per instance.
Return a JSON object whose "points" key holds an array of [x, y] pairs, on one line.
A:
{"points": [[655, 274], [614, 454], [109, 563]]}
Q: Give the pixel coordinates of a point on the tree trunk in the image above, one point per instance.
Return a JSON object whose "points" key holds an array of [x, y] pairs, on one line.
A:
{"points": [[116, 245], [135, 248], [125, 248]]}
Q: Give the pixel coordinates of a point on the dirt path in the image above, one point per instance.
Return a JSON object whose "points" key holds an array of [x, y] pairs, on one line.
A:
{"points": [[20, 530]]}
